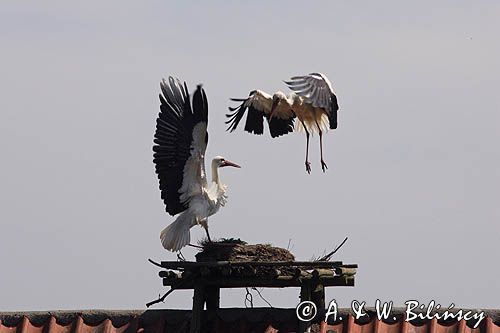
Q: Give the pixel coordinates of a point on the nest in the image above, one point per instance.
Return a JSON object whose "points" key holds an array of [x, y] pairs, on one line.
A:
{"points": [[238, 250]]}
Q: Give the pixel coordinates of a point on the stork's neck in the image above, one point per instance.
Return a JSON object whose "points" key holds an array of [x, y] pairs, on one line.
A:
{"points": [[215, 174]]}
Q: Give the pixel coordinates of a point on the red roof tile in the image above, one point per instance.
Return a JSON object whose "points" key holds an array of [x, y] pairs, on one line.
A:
{"points": [[226, 320]]}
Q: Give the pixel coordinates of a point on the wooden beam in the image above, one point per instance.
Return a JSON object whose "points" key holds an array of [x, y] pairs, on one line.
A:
{"points": [[194, 264], [258, 282]]}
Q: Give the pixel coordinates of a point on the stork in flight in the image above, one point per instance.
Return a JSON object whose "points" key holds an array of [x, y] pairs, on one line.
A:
{"points": [[181, 139], [312, 101]]}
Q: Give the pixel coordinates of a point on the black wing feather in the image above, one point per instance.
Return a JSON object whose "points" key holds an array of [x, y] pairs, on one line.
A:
{"points": [[173, 138], [332, 115], [279, 127], [255, 120], [235, 117]]}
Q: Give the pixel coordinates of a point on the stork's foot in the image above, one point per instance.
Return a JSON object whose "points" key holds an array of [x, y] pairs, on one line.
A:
{"points": [[323, 166], [308, 167]]}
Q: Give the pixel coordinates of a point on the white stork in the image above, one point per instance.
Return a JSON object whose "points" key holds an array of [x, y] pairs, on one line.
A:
{"points": [[181, 139], [312, 101]]}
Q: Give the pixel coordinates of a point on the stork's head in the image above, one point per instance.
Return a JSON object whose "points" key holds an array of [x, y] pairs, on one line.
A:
{"points": [[220, 162], [277, 98]]}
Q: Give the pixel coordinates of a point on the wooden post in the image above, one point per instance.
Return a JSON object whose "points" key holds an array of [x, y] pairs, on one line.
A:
{"points": [[318, 298], [305, 291], [212, 299], [305, 295], [197, 313]]}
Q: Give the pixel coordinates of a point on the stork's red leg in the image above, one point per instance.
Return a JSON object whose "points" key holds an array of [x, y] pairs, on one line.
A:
{"points": [[308, 164], [204, 224], [323, 164]]}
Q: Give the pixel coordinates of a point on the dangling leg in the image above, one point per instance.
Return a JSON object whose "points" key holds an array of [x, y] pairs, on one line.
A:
{"points": [[323, 164], [204, 224], [308, 165]]}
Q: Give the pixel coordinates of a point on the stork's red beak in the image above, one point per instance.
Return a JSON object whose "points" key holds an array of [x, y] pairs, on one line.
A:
{"points": [[273, 109], [229, 163]]}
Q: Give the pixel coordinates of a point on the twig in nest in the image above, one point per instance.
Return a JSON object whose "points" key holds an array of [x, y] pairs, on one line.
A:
{"points": [[155, 263], [329, 255], [205, 243]]}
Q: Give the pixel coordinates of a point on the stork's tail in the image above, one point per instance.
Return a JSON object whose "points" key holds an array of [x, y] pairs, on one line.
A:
{"points": [[176, 235]]}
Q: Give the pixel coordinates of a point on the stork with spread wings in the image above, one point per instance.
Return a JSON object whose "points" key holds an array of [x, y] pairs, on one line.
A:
{"points": [[313, 102], [181, 139]]}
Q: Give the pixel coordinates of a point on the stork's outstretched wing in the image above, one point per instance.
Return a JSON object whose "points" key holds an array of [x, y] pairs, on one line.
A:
{"points": [[318, 91], [259, 106], [180, 142]]}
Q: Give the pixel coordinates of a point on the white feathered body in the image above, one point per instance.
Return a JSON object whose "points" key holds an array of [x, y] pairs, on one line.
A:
{"points": [[303, 110], [181, 140], [200, 206], [209, 202], [312, 101], [310, 107]]}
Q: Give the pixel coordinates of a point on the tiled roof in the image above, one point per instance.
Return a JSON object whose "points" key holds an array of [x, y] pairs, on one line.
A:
{"points": [[225, 320]]}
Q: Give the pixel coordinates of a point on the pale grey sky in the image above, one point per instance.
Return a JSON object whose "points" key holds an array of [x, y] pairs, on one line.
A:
{"points": [[413, 177]]}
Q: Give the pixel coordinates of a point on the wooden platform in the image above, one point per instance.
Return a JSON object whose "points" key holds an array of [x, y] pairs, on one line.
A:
{"points": [[207, 278]]}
